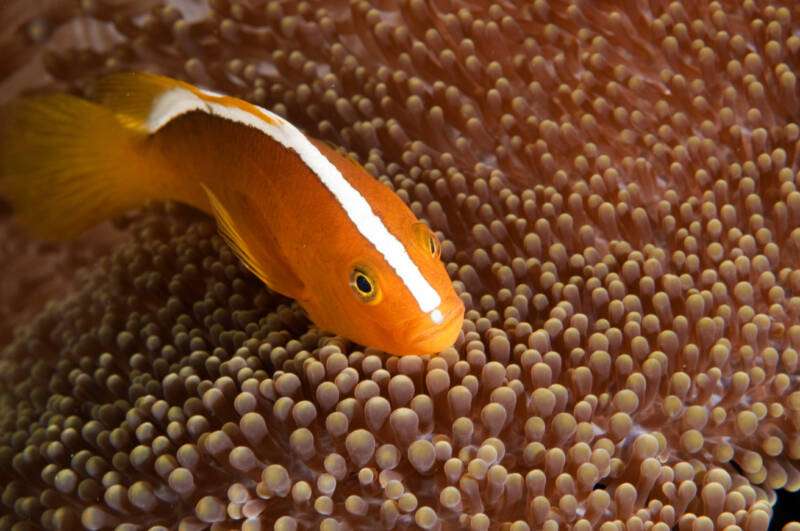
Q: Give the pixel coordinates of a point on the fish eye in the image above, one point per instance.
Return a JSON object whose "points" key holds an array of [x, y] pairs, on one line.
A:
{"points": [[364, 285], [427, 239], [434, 246]]}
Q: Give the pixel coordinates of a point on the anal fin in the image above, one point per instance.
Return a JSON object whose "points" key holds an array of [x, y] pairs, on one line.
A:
{"points": [[261, 255]]}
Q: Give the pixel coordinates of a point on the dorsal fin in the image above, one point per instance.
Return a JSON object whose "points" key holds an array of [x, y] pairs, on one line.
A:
{"points": [[131, 95], [146, 102], [271, 266]]}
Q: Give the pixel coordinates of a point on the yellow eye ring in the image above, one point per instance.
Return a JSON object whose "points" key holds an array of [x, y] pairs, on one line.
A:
{"points": [[427, 239], [364, 285], [434, 246]]}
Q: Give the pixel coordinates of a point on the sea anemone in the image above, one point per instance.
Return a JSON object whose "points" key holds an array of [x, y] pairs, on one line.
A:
{"points": [[615, 188]]}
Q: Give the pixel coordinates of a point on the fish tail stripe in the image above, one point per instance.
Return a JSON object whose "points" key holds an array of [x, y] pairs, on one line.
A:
{"points": [[178, 101]]}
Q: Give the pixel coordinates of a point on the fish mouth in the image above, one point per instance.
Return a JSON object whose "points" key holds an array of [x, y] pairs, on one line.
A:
{"points": [[430, 333]]}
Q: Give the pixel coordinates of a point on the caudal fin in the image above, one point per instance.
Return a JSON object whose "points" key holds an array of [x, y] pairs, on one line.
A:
{"points": [[67, 164]]}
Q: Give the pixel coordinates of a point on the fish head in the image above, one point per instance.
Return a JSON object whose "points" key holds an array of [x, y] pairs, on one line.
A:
{"points": [[369, 303], [366, 300], [380, 280], [395, 296]]}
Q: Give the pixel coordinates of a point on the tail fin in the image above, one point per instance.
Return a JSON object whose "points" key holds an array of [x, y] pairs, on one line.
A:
{"points": [[66, 164]]}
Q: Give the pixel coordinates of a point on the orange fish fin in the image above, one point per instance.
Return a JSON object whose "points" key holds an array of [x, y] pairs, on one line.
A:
{"points": [[276, 273], [66, 164], [131, 95], [136, 99]]}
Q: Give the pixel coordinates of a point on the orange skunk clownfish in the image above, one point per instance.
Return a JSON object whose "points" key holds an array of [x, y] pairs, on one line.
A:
{"points": [[311, 224]]}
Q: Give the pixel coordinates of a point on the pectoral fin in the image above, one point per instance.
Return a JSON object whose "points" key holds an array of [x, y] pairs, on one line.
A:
{"points": [[259, 253]]}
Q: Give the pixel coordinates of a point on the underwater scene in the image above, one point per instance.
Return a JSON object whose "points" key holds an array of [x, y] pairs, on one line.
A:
{"points": [[400, 264]]}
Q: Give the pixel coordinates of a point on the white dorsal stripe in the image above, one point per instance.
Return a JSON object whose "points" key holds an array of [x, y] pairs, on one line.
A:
{"points": [[178, 101], [171, 104]]}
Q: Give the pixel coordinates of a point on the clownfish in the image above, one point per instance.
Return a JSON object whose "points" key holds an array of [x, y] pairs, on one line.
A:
{"points": [[311, 224]]}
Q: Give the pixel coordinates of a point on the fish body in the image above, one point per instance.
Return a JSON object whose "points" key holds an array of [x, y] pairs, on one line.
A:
{"points": [[312, 224]]}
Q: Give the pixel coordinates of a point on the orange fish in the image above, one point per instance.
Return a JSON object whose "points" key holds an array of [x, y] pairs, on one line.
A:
{"points": [[311, 224]]}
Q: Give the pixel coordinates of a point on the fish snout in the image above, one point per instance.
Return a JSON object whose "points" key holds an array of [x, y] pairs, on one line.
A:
{"points": [[426, 336]]}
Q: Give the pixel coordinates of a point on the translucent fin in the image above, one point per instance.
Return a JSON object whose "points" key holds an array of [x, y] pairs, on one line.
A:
{"points": [[131, 96], [146, 102], [66, 164], [267, 262]]}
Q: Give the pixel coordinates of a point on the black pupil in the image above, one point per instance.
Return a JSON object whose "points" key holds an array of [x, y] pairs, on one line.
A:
{"points": [[363, 284], [432, 244]]}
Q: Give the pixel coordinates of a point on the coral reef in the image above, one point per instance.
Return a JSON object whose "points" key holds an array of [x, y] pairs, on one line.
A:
{"points": [[615, 187]]}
